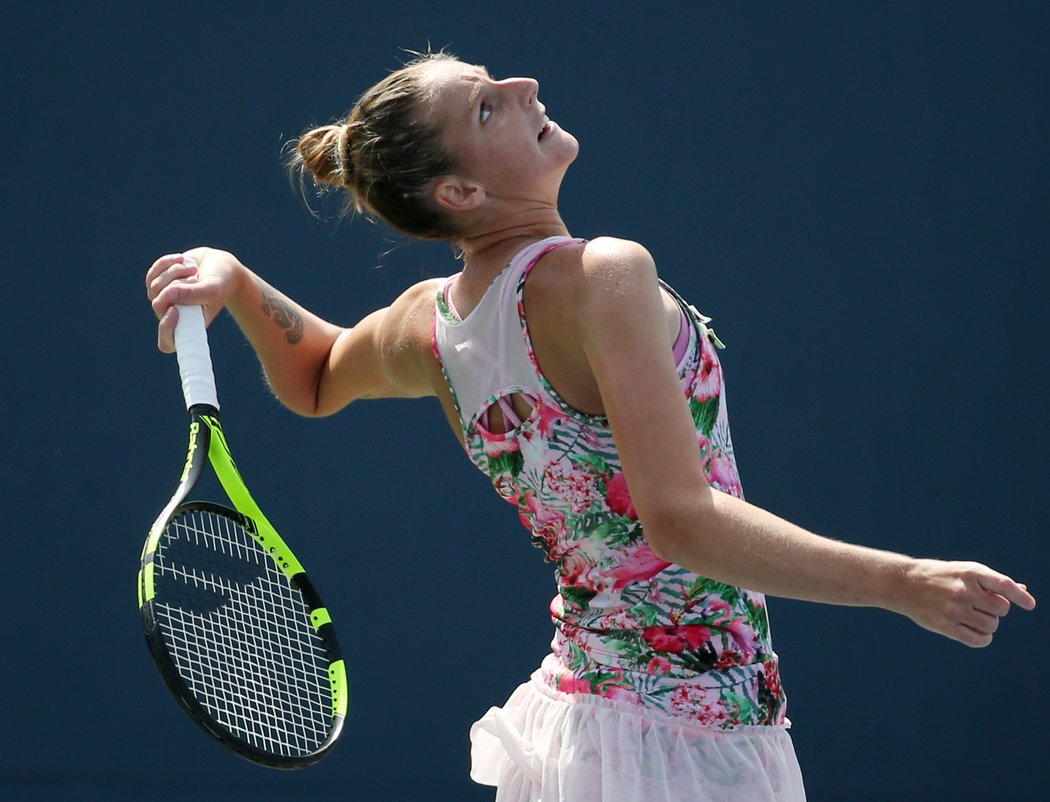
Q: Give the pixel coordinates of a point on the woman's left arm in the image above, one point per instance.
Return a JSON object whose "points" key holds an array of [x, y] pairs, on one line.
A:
{"points": [[618, 317]]}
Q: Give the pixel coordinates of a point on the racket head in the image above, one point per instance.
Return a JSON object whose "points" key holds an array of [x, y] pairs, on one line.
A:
{"points": [[246, 649]]}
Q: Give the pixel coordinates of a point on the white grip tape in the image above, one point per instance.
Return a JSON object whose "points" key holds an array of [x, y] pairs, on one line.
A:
{"points": [[191, 346]]}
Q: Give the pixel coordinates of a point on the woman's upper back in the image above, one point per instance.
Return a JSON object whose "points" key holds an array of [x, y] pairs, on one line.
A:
{"points": [[557, 298]]}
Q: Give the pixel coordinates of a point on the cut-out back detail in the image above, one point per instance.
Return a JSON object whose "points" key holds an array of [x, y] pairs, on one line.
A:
{"points": [[510, 408], [506, 413]]}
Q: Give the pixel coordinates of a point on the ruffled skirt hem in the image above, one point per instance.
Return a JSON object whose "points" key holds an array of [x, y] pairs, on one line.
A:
{"points": [[546, 746]]}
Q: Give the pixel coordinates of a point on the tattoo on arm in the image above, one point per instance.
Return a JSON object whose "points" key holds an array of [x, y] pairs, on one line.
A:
{"points": [[285, 316]]}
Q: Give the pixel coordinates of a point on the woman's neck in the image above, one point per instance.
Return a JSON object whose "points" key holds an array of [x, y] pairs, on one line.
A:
{"points": [[490, 245]]}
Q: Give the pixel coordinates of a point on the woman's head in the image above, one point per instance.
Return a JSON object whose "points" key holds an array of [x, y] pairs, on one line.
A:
{"points": [[431, 143], [387, 152]]}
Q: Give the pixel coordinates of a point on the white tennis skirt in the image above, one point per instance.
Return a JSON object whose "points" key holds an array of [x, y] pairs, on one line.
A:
{"points": [[547, 746]]}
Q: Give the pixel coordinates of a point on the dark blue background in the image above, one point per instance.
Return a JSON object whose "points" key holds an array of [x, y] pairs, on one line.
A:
{"points": [[857, 193]]}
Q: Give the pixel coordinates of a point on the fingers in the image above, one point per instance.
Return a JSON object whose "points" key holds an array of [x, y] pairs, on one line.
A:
{"points": [[166, 331], [1005, 587], [966, 600], [166, 279], [971, 637], [166, 269], [992, 603], [162, 264], [994, 595], [166, 283], [981, 622]]}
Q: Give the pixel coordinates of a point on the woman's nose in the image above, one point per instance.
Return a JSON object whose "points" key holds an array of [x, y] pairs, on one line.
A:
{"points": [[527, 87]]}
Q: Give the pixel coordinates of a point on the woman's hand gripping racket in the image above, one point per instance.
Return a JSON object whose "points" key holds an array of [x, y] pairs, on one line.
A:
{"points": [[236, 628]]}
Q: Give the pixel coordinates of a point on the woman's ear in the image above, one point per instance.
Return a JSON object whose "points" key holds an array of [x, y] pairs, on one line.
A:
{"points": [[458, 194]]}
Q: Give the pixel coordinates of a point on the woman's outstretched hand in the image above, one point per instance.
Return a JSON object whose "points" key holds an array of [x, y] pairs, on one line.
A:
{"points": [[961, 600], [202, 276]]}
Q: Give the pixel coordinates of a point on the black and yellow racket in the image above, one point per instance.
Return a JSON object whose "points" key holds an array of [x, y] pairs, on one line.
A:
{"points": [[236, 628]]}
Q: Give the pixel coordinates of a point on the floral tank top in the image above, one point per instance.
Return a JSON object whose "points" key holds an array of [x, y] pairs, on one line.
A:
{"points": [[630, 626]]}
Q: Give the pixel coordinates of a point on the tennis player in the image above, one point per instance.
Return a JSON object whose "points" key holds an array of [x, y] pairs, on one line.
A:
{"points": [[592, 396]]}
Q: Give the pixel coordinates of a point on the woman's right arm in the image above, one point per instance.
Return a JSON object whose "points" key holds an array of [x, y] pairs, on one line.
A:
{"points": [[314, 367]]}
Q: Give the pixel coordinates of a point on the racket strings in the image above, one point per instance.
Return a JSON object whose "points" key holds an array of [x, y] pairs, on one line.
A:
{"points": [[240, 635]]}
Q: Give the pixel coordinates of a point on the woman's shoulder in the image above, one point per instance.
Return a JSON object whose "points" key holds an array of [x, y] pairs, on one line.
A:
{"points": [[401, 334], [603, 267], [573, 289], [616, 249], [406, 324], [421, 292], [594, 263], [412, 312]]}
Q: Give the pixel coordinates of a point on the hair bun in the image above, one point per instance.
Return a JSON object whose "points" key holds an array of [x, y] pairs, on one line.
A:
{"points": [[324, 151], [342, 154], [385, 153]]}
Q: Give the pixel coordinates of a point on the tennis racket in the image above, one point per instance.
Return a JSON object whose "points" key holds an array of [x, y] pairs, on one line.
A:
{"points": [[236, 628]]}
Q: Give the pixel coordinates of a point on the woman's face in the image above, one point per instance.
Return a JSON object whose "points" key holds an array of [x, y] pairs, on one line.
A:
{"points": [[500, 133]]}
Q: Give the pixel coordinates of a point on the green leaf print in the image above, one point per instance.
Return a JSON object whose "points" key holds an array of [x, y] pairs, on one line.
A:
{"points": [[619, 533], [632, 652], [767, 701], [601, 680], [651, 614], [744, 706], [508, 462], [705, 413], [592, 463], [704, 586], [699, 660], [635, 595], [759, 618], [609, 528], [578, 597]]}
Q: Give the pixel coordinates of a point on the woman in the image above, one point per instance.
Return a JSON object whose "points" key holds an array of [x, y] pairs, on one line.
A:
{"points": [[592, 396]]}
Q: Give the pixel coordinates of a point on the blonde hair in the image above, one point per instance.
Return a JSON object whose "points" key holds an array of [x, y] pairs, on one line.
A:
{"points": [[385, 153]]}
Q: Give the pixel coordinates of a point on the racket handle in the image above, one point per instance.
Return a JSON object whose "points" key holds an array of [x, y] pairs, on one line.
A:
{"points": [[191, 346]]}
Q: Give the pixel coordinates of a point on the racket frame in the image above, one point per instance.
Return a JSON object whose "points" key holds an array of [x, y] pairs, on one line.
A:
{"points": [[207, 443]]}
